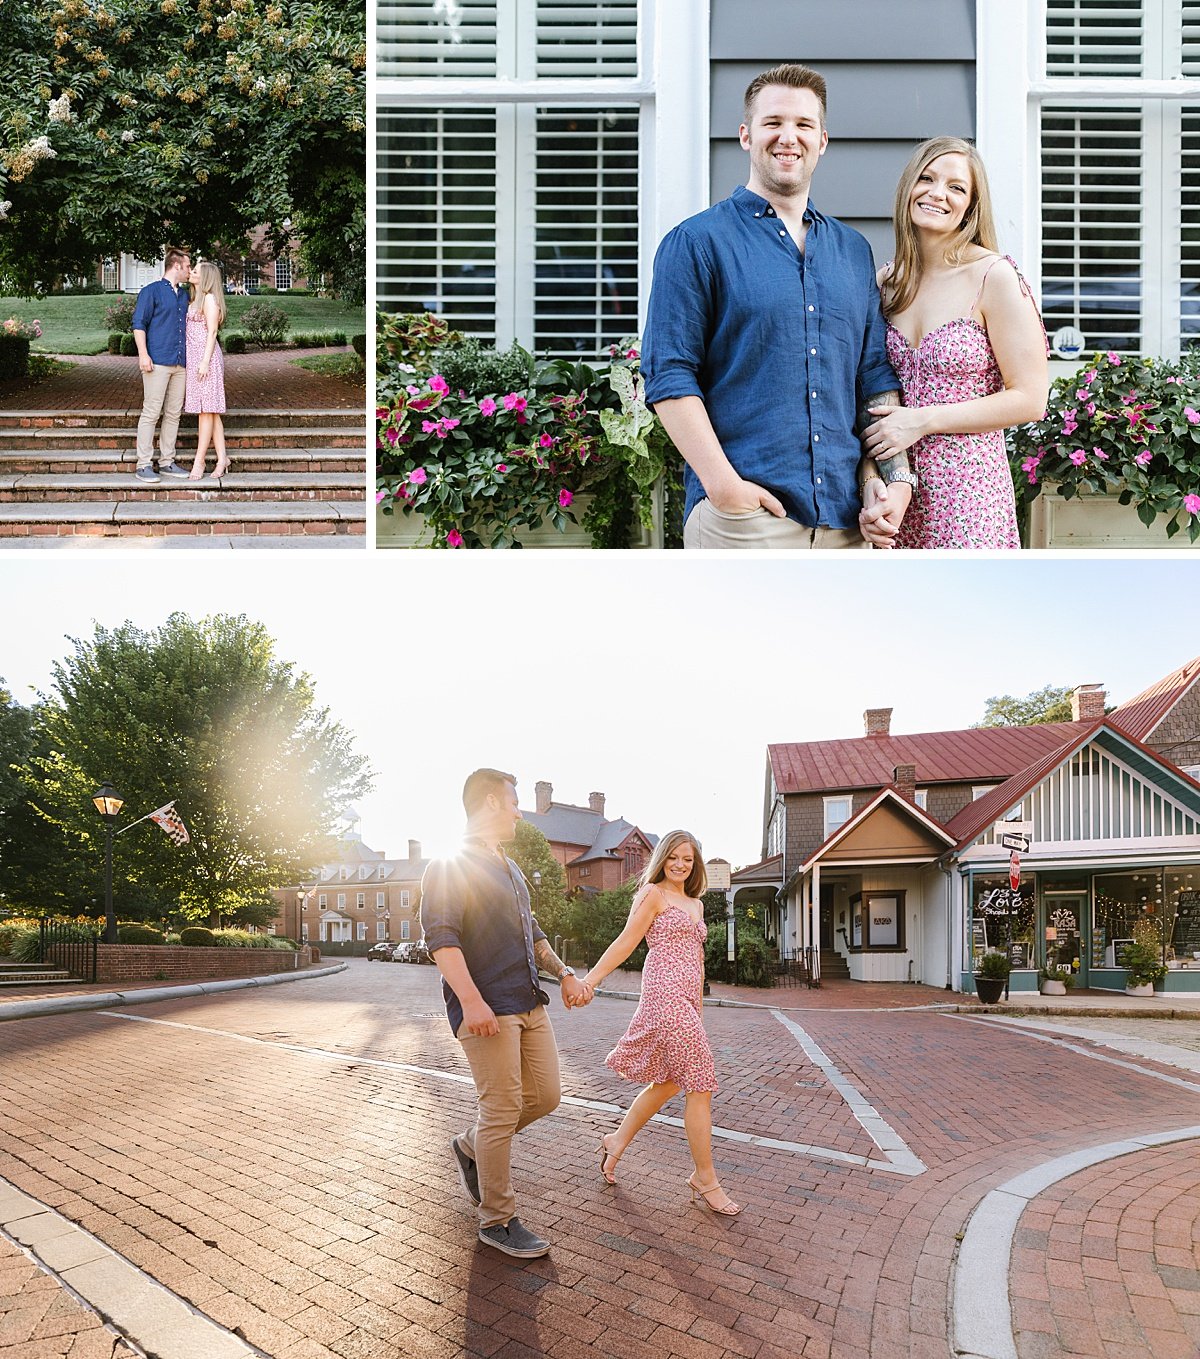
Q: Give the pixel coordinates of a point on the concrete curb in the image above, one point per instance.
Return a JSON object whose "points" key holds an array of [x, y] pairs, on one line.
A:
{"points": [[105, 1000], [1081, 1012], [981, 1313]]}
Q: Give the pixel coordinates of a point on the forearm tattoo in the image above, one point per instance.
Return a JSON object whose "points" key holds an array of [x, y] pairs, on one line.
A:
{"points": [[546, 958]]}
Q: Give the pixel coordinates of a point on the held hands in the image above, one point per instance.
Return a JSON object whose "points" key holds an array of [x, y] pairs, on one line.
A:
{"points": [[897, 428], [575, 993], [883, 510]]}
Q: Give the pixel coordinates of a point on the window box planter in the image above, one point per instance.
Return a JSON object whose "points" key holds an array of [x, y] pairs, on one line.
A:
{"points": [[1096, 520], [1053, 988], [409, 528]]}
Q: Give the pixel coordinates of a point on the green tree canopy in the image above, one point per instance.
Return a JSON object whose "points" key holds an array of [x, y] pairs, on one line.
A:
{"points": [[532, 853], [127, 124], [1043, 705], [16, 745], [595, 919], [205, 715]]}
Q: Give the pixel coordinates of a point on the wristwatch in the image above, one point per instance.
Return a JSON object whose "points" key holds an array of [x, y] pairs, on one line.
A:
{"points": [[567, 972], [900, 474]]}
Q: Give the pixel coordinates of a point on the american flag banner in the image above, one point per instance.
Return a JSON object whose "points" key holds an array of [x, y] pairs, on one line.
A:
{"points": [[170, 821]]}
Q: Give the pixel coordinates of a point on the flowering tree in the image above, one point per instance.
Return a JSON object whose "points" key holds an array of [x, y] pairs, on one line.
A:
{"points": [[125, 124]]}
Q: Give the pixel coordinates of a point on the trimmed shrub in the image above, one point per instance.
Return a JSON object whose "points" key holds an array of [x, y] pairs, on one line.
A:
{"points": [[196, 936], [114, 341], [338, 338], [139, 934], [14, 356], [265, 324], [25, 945], [129, 346], [360, 346], [234, 344], [119, 316], [234, 938]]}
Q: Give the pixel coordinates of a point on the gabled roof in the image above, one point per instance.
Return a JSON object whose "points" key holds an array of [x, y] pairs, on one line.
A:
{"points": [[770, 867], [885, 795], [612, 836], [1140, 715], [974, 755], [567, 825]]}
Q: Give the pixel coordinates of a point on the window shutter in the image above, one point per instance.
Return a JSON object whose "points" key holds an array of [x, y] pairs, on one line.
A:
{"points": [[1092, 224], [1189, 189], [445, 38], [436, 221], [1094, 38], [591, 38], [1190, 20], [585, 295]]}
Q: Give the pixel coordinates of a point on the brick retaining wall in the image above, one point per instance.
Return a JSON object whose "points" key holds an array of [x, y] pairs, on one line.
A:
{"points": [[117, 963]]}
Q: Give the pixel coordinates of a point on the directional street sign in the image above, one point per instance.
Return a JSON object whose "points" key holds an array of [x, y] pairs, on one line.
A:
{"points": [[1019, 844]]}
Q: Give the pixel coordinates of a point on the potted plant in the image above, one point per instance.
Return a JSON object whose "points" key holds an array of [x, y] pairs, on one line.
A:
{"points": [[1143, 966], [1119, 439], [991, 976], [1055, 979]]}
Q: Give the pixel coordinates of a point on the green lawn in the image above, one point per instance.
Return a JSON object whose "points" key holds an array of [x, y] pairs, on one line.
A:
{"points": [[75, 324]]}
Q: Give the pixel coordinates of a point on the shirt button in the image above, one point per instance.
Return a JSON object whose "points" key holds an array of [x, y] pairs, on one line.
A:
{"points": [[811, 307], [783, 233], [818, 481], [814, 395], [758, 214], [812, 351], [816, 438]]}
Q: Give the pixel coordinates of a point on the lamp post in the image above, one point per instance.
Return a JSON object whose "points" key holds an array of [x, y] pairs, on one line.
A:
{"points": [[387, 926], [299, 935], [108, 802]]}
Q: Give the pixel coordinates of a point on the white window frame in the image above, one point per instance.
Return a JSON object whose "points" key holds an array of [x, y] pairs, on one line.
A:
{"points": [[827, 805], [341, 901], [979, 790], [405, 930], [1012, 86], [283, 271], [921, 798], [405, 899], [360, 900], [380, 900], [671, 93], [322, 901]]}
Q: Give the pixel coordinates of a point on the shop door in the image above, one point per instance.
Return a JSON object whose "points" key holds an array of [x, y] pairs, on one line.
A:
{"points": [[827, 943], [1065, 934]]}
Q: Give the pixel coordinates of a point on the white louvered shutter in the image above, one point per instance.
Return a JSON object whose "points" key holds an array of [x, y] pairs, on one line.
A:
{"points": [[1093, 38], [445, 38], [590, 38]]}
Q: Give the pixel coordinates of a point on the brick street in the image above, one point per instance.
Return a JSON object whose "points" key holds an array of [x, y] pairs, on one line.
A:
{"points": [[277, 1158]]}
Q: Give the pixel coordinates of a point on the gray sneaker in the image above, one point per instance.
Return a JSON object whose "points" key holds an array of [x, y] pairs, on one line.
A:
{"points": [[468, 1172], [514, 1239], [147, 474], [171, 469]]}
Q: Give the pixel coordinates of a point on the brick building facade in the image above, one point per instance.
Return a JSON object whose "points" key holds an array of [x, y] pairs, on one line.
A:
{"points": [[596, 854]]}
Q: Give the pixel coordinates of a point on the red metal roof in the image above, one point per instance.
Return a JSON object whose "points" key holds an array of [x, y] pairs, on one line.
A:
{"points": [[1140, 715], [977, 754]]}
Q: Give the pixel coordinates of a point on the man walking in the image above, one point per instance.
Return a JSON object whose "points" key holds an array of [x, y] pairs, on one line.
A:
{"points": [[480, 930], [159, 331], [765, 346]]}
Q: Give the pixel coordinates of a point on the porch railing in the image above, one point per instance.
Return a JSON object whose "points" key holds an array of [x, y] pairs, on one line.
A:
{"points": [[61, 945], [800, 967]]}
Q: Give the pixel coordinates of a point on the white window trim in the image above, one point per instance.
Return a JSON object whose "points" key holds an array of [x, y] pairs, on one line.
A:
{"points": [[1011, 86], [825, 806], [921, 798], [405, 899], [671, 91]]}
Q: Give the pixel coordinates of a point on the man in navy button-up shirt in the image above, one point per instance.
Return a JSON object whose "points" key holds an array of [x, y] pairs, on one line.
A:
{"points": [[765, 344], [160, 333]]}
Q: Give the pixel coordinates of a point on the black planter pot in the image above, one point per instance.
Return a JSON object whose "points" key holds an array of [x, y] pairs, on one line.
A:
{"points": [[988, 989]]}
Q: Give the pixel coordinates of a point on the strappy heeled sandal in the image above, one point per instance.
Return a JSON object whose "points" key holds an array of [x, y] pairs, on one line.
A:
{"points": [[606, 1155], [727, 1209]]}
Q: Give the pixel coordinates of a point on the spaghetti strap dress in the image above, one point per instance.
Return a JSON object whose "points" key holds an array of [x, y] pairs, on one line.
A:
{"points": [[965, 495], [203, 396], [665, 1040]]}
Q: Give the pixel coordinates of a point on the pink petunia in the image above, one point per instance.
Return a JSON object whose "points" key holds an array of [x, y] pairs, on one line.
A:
{"points": [[1079, 457], [380, 495], [502, 467], [564, 498], [1070, 425], [454, 538], [1114, 358], [546, 441], [1030, 465], [1082, 394], [418, 476], [437, 383], [487, 406], [1191, 503], [1191, 416], [1091, 408], [1100, 454], [1089, 377], [1143, 457]]}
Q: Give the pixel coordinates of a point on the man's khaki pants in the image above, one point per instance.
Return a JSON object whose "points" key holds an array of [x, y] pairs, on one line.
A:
{"points": [[517, 1081], [709, 527], [162, 394]]}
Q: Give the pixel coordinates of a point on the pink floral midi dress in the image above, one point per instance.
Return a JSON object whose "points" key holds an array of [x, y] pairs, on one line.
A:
{"points": [[665, 1040], [205, 396], [965, 497]]}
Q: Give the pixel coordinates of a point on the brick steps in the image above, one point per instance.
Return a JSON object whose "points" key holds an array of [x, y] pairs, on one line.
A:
{"points": [[32, 974], [111, 461], [121, 487], [115, 519], [833, 966], [236, 436], [127, 419]]}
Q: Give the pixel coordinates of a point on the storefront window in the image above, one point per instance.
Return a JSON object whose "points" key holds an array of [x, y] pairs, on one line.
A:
{"points": [[1182, 919], [1122, 900], [1000, 917]]}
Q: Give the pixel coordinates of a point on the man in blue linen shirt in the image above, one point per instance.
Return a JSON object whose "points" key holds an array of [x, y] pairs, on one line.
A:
{"points": [[159, 331], [765, 345]]}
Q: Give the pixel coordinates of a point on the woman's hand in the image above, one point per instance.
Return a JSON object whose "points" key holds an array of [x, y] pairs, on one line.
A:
{"points": [[202, 369], [897, 428]]}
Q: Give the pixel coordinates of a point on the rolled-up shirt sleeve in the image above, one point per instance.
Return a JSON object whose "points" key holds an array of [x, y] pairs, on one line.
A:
{"points": [[142, 309], [442, 902], [677, 320], [875, 373]]}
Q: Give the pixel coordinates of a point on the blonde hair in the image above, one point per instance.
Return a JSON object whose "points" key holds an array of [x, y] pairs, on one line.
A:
{"points": [[206, 281], [656, 869], [976, 228]]}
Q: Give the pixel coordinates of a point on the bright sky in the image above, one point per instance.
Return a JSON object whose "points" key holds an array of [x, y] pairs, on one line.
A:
{"points": [[657, 679]]}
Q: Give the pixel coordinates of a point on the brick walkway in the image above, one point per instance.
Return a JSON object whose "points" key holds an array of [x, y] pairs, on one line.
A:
{"points": [[277, 1158], [260, 381], [40, 1320]]}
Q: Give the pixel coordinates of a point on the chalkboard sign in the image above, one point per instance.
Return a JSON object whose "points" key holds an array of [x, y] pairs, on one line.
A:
{"points": [[978, 941], [1185, 937], [1119, 946], [1018, 954]]}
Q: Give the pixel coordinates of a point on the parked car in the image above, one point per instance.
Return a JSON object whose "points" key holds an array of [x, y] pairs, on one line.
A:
{"points": [[412, 951], [381, 952]]}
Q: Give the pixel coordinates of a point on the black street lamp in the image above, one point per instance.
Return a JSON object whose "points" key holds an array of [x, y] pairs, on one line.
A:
{"points": [[108, 803], [387, 926]]}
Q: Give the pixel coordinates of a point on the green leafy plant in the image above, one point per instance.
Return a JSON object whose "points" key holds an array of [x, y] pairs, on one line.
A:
{"points": [[118, 315], [1143, 964], [265, 324], [1054, 972], [196, 936], [140, 934], [994, 964], [1127, 426]]}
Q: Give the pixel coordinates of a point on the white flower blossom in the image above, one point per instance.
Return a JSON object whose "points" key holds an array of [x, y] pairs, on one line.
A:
{"points": [[40, 148], [60, 109], [127, 136], [4, 207]]}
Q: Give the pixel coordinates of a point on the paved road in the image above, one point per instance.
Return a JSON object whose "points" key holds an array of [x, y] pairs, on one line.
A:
{"points": [[276, 1159]]}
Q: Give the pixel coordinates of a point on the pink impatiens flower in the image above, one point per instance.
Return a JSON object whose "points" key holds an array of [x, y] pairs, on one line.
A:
{"points": [[546, 441], [1143, 457], [1079, 457], [1114, 358], [1191, 503], [380, 495], [431, 426], [564, 498], [1070, 425], [454, 538], [487, 406], [1081, 394], [514, 402], [1191, 416], [418, 476], [502, 467], [437, 383], [1100, 454]]}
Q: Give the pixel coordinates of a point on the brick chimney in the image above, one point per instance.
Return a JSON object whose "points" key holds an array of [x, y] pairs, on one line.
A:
{"points": [[1087, 703], [596, 803], [878, 721], [904, 776], [414, 849], [543, 792]]}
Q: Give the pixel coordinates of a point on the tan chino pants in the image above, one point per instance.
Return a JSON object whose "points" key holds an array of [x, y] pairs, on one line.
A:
{"points": [[709, 527], [162, 394], [517, 1081]]}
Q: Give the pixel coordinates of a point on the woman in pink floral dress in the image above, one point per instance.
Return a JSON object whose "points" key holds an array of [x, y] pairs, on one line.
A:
{"points": [[204, 394], [665, 1044], [968, 346]]}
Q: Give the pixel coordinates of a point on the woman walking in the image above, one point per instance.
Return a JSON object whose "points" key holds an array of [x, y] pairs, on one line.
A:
{"points": [[205, 394], [967, 343], [665, 1044]]}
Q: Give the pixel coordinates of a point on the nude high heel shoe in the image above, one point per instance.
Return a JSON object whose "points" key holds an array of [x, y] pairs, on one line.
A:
{"points": [[726, 1209]]}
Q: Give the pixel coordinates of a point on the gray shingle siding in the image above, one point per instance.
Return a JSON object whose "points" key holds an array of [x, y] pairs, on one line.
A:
{"points": [[898, 71]]}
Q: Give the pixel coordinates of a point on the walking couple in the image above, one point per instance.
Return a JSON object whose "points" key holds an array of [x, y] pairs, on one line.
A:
{"points": [[479, 927], [175, 329], [768, 358]]}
